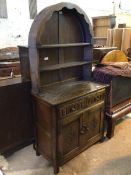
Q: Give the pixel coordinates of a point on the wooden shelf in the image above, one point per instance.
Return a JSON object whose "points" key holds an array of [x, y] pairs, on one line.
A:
{"points": [[101, 26], [98, 37], [40, 46], [64, 65]]}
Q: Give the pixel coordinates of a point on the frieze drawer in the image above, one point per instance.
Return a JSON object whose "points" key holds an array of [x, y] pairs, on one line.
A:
{"points": [[81, 103]]}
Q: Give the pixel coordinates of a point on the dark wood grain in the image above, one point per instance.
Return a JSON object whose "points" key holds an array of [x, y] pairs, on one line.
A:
{"points": [[63, 45], [16, 123], [64, 65], [74, 19], [24, 63], [68, 109], [66, 91]]}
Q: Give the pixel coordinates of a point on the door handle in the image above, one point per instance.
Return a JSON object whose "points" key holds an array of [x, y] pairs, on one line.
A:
{"points": [[84, 129]]}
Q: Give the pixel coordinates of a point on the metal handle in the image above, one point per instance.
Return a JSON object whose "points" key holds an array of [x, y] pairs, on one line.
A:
{"points": [[73, 109], [84, 129]]}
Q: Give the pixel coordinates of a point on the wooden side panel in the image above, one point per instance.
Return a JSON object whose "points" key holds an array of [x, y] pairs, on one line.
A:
{"points": [[44, 145], [121, 89], [24, 63], [16, 121], [43, 127], [43, 114]]}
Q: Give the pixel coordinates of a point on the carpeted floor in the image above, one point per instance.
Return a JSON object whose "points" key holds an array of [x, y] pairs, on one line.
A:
{"points": [[112, 157]]}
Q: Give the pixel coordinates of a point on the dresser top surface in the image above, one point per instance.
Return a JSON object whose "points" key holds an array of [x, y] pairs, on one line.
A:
{"points": [[63, 92], [10, 81]]}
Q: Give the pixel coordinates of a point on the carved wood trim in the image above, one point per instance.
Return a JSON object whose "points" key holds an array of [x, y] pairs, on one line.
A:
{"points": [[81, 103]]}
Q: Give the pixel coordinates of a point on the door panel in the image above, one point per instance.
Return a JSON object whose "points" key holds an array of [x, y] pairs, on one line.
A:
{"points": [[77, 130], [92, 121], [69, 135]]}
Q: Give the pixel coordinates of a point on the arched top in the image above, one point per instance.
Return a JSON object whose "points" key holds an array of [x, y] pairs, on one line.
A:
{"points": [[60, 38], [41, 19]]}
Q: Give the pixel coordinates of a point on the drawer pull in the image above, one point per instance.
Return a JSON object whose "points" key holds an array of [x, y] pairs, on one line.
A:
{"points": [[87, 129], [73, 109], [84, 129]]}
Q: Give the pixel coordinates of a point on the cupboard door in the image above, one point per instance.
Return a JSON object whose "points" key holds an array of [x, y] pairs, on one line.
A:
{"points": [[69, 141], [92, 124]]}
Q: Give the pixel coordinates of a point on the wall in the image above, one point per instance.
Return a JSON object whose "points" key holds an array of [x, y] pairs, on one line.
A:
{"points": [[15, 29], [124, 18]]}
